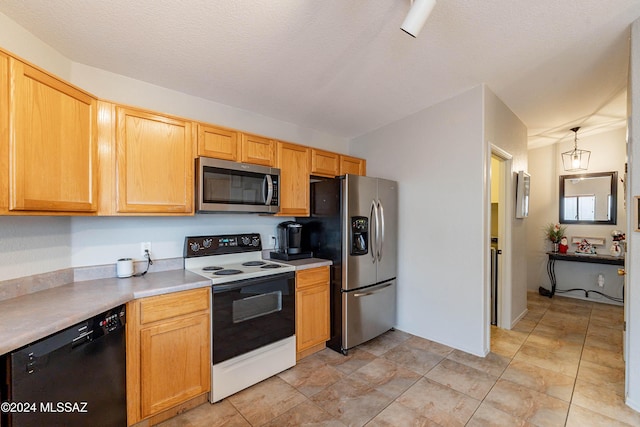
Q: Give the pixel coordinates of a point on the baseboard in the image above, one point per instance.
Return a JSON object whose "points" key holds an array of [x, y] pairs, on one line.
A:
{"points": [[519, 318]]}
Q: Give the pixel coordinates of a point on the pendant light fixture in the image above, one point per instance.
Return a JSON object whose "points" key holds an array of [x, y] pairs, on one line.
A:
{"points": [[417, 16], [576, 160]]}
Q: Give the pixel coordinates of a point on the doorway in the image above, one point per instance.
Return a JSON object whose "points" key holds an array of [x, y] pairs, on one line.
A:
{"points": [[497, 218], [499, 244]]}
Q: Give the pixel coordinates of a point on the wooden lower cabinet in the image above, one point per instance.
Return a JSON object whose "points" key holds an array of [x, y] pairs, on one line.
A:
{"points": [[168, 358], [312, 310]]}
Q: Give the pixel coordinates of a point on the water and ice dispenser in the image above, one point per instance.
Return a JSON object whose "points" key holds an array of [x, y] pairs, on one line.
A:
{"points": [[359, 235]]}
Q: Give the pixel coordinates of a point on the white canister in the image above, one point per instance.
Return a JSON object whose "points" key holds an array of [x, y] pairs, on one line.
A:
{"points": [[124, 267]]}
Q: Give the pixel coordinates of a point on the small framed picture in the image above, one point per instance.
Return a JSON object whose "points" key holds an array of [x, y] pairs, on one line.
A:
{"points": [[636, 211]]}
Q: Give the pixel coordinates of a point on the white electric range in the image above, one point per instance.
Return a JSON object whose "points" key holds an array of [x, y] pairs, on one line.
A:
{"points": [[252, 310]]}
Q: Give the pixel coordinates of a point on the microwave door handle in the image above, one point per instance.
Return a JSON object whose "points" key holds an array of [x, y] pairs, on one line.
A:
{"points": [[269, 186], [382, 233]]}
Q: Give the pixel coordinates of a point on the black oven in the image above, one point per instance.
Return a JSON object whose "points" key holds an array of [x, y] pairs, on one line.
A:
{"points": [[251, 313]]}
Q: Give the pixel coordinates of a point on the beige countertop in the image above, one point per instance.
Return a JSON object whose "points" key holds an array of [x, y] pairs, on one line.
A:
{"points": [[306, 263], [34, 316], [30, 317]]}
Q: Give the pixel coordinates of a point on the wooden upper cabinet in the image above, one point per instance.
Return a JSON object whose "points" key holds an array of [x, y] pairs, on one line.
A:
{"points": [[324, 163], [4, 133], [294, 163], [218, 143], [52, 143], [154, 163], [257, 150], [352, 165]]}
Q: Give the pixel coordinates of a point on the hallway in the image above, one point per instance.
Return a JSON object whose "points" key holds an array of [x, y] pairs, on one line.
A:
{"points": [[561, 365]]}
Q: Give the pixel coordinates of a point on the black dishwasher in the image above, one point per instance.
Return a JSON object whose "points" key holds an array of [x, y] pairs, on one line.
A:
{"points": [[75, 377]]}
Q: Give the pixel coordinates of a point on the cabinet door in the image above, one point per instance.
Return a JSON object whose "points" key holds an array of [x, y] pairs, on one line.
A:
{"points": [[154, 165], [53, 143], [257, 150], [174, 362], [217, 143], [4, 133], [312, 308], [293, 161], [352, 165], [324, 163]]}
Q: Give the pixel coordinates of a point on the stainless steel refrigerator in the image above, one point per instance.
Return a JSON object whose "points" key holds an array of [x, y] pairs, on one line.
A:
{"points": [[354, 222]]}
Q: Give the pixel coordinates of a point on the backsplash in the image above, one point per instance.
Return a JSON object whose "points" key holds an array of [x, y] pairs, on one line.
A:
{"points": [[14, 288]]}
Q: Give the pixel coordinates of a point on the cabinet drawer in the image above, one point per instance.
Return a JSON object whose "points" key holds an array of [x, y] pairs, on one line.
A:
{"points": [[162, 307], [312, 277]]}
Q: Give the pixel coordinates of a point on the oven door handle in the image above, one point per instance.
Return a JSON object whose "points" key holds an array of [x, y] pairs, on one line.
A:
{"points": [[269, 187]]}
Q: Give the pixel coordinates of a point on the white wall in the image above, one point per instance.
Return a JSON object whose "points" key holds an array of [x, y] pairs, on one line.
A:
{"points": [[33, 245], [39, 244], [128, 91], [96, 241], [632, 309], [439, 290], [506, 131], [440, 160], [19, 41], [608, 153]]}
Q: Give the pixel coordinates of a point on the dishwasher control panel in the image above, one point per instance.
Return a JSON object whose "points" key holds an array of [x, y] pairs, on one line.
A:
{"points": [[109, 320]]}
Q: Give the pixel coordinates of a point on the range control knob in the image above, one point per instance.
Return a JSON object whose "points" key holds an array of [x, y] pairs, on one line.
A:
{"points": [[246, 240], [255, 242]]}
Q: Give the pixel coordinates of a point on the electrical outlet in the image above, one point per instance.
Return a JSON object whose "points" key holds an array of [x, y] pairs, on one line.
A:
{"points": [[145, 246]]}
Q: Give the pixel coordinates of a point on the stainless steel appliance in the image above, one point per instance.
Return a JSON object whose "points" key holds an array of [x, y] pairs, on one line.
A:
{"points": [[252, 312], [224, 186], [75, 377], [353, 222]]}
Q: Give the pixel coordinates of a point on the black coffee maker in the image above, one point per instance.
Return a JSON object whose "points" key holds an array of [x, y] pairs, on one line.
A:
{"points": [[290, 242]]}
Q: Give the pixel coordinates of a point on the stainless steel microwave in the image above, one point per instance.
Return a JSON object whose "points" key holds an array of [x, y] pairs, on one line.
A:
{"points": [[224, 186]]}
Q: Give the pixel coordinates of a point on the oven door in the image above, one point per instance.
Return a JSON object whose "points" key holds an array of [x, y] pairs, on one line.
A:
{"points": [[252, 313], [224, 186]]}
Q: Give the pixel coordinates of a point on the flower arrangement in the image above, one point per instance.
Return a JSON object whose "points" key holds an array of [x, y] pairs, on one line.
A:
{"points": [[555, 232]]}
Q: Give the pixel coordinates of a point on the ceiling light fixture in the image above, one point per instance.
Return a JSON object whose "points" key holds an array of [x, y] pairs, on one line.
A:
{"points": [[417, 16], [576, 160]]}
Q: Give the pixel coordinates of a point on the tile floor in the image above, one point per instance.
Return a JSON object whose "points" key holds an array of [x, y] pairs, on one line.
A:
{"points": [[561, 365]]}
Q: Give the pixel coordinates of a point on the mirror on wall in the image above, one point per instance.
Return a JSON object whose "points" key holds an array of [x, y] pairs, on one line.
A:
{"points": [[589, 198]]}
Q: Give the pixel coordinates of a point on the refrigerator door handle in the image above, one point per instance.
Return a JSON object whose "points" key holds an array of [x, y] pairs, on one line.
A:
{"points": [[382, 233], [378, 289], [373, 231]]}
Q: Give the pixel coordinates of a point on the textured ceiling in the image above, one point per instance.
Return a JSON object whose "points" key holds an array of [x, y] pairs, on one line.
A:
{"points": [[346, 68]]}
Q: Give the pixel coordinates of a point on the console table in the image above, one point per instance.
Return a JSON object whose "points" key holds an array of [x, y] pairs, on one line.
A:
{"points": [[593, 259]]}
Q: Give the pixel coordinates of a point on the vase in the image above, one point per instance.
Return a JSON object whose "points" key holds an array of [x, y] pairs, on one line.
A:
{"points": [[554, 247]]}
